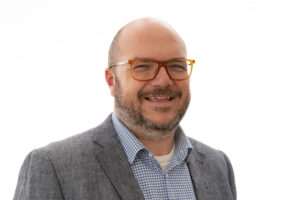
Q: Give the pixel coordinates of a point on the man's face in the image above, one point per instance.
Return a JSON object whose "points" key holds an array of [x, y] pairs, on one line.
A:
{"points": [[154, 107]]}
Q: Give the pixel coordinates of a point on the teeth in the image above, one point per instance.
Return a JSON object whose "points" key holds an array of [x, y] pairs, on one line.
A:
{"points": [[159, 98]]}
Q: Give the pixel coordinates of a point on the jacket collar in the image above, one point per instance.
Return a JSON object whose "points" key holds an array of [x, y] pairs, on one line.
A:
{"points": [[202, 174], [114, 161]]}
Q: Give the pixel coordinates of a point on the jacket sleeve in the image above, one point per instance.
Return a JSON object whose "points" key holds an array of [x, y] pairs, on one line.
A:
{"points": [[231, 177], [38, 179]]}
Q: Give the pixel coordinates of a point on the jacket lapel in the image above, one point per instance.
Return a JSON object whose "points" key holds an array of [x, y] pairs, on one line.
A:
{"points": [[204, 184], [113, 159]]}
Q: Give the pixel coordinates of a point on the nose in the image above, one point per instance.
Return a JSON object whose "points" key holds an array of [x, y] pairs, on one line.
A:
{"points": [[162, 78]]}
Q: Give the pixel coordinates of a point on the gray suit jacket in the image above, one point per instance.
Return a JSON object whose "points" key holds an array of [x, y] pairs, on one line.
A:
{"points": [[93, 165]]}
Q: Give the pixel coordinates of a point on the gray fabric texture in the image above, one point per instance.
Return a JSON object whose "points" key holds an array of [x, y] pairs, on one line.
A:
{"points": [[93, 165]]}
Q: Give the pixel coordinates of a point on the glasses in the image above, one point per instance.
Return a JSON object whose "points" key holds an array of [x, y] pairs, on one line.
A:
{"points": [[146, 70]]}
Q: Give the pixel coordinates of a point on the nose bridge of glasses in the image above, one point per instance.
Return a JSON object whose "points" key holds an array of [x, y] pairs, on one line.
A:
{"points": [[160, 66], [163, 64]]}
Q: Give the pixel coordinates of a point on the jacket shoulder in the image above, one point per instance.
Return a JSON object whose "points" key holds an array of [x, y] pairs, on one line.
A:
{"points": [[80, 143], [214, 162], [204, 149]]}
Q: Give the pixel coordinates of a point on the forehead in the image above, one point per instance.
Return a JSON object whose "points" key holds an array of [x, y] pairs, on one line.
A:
{"points": [[153, 41]]}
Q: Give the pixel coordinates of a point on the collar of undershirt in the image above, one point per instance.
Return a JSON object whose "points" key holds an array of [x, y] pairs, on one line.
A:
{"points": [[165, 158]]}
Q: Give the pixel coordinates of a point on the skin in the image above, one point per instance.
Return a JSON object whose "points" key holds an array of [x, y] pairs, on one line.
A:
{"points": [[152, 121]]}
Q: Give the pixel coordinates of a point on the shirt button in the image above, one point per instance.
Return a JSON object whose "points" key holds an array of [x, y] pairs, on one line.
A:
{"points": [[167, 175]]}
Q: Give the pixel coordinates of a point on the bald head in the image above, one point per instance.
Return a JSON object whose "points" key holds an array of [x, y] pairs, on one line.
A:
{"points": [[141, 36]]}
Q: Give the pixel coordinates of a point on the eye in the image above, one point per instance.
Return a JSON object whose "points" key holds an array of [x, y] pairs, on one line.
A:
{"points": [[140, 67], [178, 67]]}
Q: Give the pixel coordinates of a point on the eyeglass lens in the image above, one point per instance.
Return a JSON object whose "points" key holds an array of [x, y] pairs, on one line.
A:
{"points": [[145, 70]]}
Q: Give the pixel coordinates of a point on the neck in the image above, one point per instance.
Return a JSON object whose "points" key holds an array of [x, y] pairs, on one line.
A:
{"points": [[159, 143], [159, 147]]}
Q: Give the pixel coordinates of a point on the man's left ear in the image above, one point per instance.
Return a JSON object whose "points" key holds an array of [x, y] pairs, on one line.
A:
{"points": [[110, 80]]}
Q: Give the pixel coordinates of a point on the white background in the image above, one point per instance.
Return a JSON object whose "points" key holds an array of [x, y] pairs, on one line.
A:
{"points": [[245, 84]]}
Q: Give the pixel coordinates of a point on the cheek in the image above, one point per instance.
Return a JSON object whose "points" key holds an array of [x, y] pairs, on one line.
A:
{"points": [[131, 92], [184, 87], [133, 89]]}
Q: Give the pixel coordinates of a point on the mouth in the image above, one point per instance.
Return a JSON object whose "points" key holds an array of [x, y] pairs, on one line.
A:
{"points": [[159, 98]]}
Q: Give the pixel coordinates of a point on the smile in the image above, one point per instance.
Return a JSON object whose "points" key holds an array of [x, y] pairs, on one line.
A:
{"points": [[159, 99]]}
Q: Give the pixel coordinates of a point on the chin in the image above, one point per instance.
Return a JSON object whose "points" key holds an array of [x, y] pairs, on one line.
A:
{"points": [[160, 113], [161, 123], [161, 119]]}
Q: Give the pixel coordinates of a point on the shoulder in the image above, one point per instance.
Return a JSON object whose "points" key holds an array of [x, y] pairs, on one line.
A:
{"points": [[204, 149], [64, 151], [212, 162], [79, 144], [73, 144], [45, 169], [76, 149], [211, 157]]}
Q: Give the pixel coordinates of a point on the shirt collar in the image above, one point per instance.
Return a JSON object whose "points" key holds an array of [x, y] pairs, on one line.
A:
{"points": [[129, 142], [183, 146], [132, 146]]}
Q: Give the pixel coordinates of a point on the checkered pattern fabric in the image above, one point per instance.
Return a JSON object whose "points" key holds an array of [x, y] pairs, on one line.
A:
{"points": [[175, 183]]}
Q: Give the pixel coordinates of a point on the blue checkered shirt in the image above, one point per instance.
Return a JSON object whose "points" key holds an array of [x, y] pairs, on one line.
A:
{"points": [[173, 184]]}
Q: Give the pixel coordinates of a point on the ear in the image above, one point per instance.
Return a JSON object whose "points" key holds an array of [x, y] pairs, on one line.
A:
{"points": [[110, 80]]}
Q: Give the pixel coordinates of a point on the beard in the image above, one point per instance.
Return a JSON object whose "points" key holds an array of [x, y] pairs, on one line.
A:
{"points": [[132, 116]]}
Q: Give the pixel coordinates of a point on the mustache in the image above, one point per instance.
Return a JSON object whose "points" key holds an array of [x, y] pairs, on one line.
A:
{"points": [[160, 92]]}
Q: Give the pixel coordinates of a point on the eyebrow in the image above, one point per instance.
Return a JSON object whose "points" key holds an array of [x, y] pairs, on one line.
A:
{"points": [[139, 58]]}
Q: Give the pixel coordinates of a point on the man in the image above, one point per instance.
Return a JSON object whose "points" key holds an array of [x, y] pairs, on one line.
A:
{"points": [[138, 152]]}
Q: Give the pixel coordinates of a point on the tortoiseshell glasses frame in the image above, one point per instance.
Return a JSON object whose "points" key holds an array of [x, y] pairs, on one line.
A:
{"points": [[146, 70]]}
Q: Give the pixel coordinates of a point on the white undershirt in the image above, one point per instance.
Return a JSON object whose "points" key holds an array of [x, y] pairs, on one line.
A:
{"points": [[165, 160]]}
